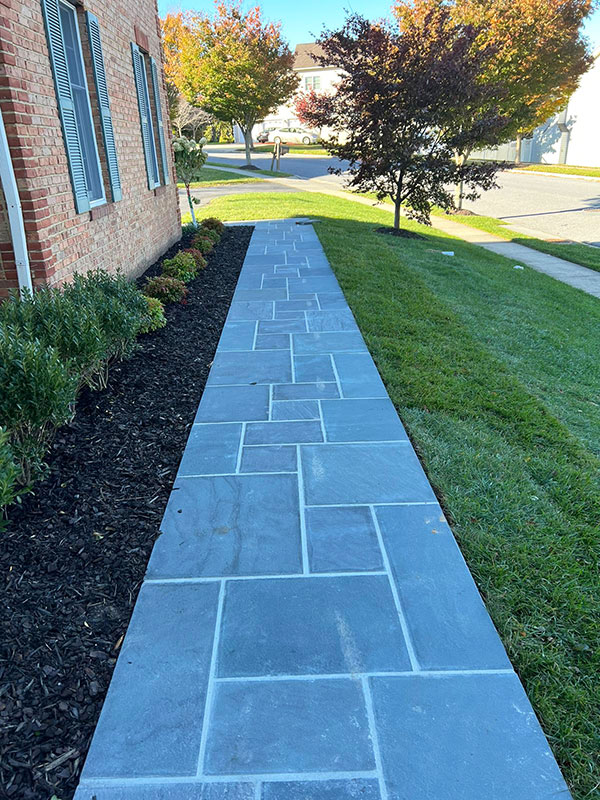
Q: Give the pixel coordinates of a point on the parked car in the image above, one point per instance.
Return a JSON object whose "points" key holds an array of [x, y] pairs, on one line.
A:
{"points": [[263, 136], [296, 135]]}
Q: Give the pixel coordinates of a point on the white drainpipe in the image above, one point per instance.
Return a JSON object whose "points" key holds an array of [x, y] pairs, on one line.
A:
{"points": [[15, 213]]}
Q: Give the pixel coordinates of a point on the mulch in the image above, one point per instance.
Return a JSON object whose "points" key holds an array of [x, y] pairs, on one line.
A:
{"points": [[74, 554], [403, 233]]}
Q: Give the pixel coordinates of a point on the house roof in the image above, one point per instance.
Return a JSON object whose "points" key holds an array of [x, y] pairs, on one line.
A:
{"points": [[303, 55]]}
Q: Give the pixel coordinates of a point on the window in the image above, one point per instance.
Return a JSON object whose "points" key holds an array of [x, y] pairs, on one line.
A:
{"points": [[68, 67], [312, 82], [150, 111], [81, 102]]}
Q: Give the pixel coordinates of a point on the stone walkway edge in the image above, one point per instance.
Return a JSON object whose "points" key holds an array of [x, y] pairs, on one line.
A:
{"points": [[308, 628]]}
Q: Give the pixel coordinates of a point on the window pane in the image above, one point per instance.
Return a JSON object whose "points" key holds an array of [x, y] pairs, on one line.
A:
{"points": [[83, 114], [150, 121]]}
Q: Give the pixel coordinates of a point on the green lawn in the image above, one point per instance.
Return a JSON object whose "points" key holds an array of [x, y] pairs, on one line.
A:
{"points": [[301, 149], [495, 373], [563, 169], [269, 172], [582, 254]]}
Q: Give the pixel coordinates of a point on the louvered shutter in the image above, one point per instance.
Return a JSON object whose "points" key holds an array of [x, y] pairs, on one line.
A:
{"points": [[58, 61], [138, 67], [103, 101], [159, 119]]}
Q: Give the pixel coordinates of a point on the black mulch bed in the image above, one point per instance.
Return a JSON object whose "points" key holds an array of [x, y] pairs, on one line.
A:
{"points": [[401, 232], [74, 554]]}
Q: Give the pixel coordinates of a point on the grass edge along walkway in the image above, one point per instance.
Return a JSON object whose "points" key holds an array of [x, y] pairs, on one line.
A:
{"points": [[519, 486]]}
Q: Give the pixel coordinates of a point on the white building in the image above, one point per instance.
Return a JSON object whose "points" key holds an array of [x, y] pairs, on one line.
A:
{"points": [[570, 137], [312, 76]]}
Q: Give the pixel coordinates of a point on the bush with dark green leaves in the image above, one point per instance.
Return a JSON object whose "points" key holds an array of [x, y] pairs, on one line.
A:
{"points": [[182, 265], [155, 315], [9, 472], [166, 289], [119, 305], [198, 257], [91, 322], [37, 395], [211, 234], [202, 243], [213, 224]]}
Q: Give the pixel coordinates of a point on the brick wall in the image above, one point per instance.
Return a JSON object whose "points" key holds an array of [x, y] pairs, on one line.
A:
{"points": [[129, 234]]}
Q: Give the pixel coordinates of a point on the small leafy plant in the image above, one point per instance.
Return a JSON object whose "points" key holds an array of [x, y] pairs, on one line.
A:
{"points": [[155, 315], [166, 289], [197, 256], [213, 224], [202, 243], [182, 266], [208, 233]]}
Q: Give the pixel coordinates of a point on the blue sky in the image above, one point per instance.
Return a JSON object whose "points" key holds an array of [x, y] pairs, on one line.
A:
{"points": [[302, 20]]}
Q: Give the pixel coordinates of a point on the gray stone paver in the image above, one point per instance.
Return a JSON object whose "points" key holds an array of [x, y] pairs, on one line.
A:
{"points": [[308, 628]]}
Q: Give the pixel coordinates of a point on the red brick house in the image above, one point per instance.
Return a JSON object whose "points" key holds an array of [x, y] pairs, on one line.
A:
{"points": [[85, 155]]}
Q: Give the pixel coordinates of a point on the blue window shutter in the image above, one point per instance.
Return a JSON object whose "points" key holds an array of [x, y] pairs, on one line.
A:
{"points": [[58, 61], [159, 119], [138, 66], [103, 101]]}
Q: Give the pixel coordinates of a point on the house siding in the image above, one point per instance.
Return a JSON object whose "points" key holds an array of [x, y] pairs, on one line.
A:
{"points": [[127, 235]]}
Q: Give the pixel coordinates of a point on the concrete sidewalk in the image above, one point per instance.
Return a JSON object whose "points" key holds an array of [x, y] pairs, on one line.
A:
{"points": [[308, 628]]}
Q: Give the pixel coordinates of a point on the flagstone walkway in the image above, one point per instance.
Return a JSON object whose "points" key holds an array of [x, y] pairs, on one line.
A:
{"points": [[308, 628]]}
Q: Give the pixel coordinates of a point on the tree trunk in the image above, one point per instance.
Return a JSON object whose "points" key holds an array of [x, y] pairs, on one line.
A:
{"points": [[398, 200], [248, 144], [518, 150], [191, 205], [397, 207], [460, 159]]}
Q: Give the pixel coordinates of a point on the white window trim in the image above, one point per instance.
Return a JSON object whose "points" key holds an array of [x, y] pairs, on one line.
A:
{"points": [[72, 10]]}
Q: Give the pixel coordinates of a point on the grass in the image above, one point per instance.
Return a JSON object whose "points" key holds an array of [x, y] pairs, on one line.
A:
{"points": [[582, 254], [299, 149], [269, 172], [495, 374], [563, 169]]}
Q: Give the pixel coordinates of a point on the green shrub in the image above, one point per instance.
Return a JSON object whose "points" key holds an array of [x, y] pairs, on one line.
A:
{"points": [[213, 224], [208, 233], [155, 315], [166, 289], [198, 257], [9, 472], [38, 395], [119, 305], [202, 243], [59, 320], [182, 266], [188, 230], [91, 322]]}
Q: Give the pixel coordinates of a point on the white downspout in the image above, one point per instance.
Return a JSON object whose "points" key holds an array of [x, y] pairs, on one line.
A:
{"points": [[15, 213]]}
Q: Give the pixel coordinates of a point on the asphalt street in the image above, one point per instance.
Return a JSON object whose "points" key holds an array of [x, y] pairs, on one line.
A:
{"points": [[542, 205]]}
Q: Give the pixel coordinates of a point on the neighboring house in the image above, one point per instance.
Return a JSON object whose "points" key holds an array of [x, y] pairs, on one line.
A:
{"points": [[86, 161], [312, 76], [570, 137]]}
